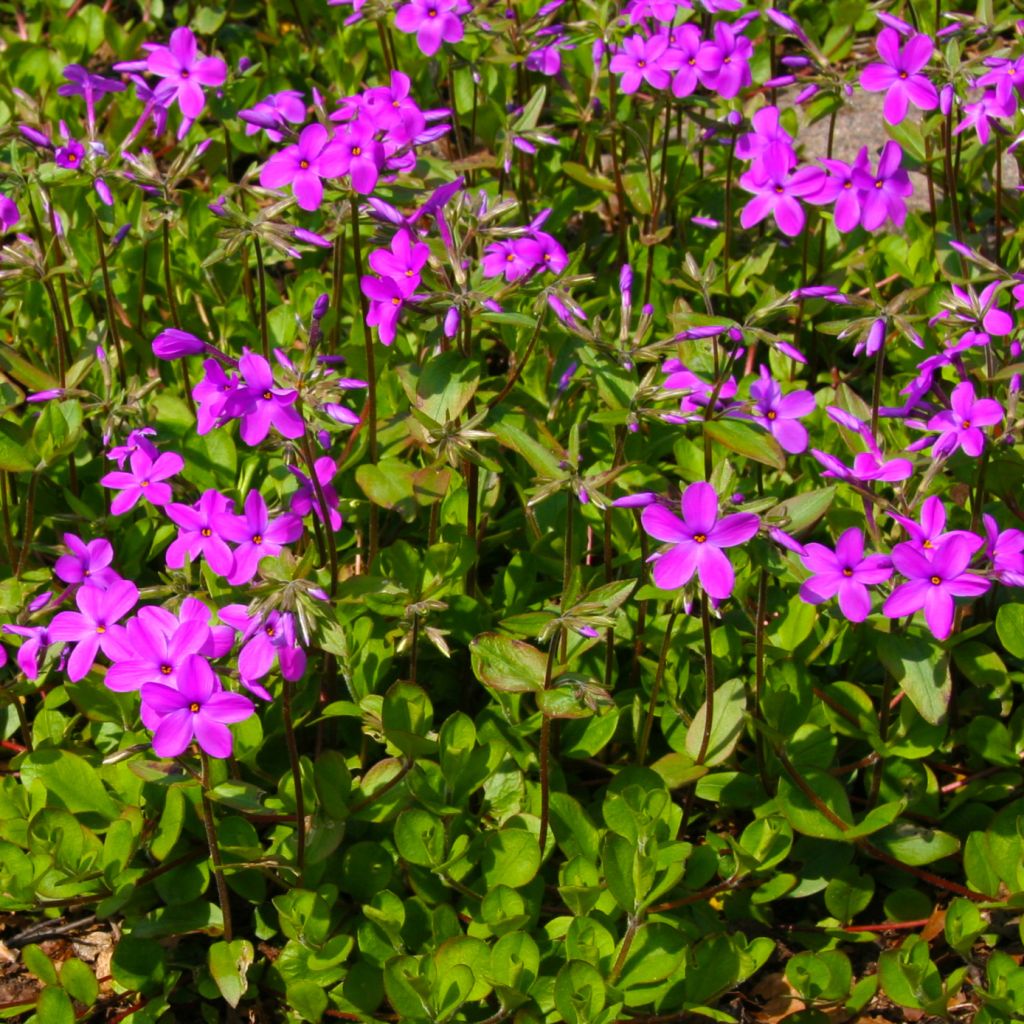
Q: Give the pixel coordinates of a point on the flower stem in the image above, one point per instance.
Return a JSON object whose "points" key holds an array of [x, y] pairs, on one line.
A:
{"points": [[293, 758], [211, 841], [371, 378], [26, 539], [261, 280], [659, 675], [175, 317], [545, 750], [109, 293]]}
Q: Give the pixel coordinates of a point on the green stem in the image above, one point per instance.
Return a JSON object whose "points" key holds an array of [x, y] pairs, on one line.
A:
{"points": [[109, 294], [296, 767], [371, 391], [211, 841], [261, 281], [659, 675], [545, 750], [29, 523]]}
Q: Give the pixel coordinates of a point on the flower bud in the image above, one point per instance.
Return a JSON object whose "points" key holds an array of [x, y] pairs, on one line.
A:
{"points": [[946, 94], [174, 344], [451, 322]]}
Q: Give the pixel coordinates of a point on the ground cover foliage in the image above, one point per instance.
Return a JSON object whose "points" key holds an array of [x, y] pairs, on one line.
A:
{"points": [[501, 522]]}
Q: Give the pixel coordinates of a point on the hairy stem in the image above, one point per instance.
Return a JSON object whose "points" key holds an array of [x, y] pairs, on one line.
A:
{"points": [[211, 841]]}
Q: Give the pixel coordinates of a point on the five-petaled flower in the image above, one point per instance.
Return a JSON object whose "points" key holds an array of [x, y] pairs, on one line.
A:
{"points": [[697, 541]]}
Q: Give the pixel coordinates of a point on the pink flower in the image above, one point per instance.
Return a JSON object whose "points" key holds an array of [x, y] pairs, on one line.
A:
{"points": [[899, 77], [304, 164], [184, 72], [144, 481]]}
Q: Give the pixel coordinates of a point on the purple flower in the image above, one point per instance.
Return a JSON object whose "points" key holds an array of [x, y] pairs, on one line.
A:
{"points": [[933, 583], [686, 42], [87, 563], [82, 82], [266, 639], [387, 297], [846, 572], [94, 626], [212, 394], [405, 258], [725, 63], [37, 639], [433, 21], [777, 190], [257, 535], [961, 425], [137, 441], [768, 136], [899, 77], [930, 533], [184, 72], [357, 153], [197, 533], [144, 481], [273, 111], [640, 60], [838, 187], [778, 414], [9, 214], [305, 500], [884, 190], [70, 155], [513, 257], [260, 404], [197, 708], [697, 541], [156, 655], [174, 344], [303, 164]]}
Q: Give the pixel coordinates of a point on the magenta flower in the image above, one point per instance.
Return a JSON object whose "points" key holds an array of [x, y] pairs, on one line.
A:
{"points": [[197, 533], [899, 77], [9, 213], [405, 258], [697, 541], [433, 21], [256, 534], [725, 63], [87, 563], [883, 191], [846, 572], [198, 708], [1005, 550], [777, 191], [144, 481], [838, 187], [184, 72], [82, 82], [157, 656], [175, 344], [358, 154], [136, 441], [641, 60], [37, 639], [768, 136], [305, 500], [261, 404], [929, 532], [273, 111], [266, 639], [779, 414], [387, 297], [212, 394], [686, 42], [94, 626], [961, 425], [304, 164], [932, 583], [70, 155]]}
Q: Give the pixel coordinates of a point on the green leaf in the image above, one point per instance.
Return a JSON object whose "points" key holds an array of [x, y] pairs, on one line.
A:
{"points": [[71, 782], [229, 963], [618, 858], [139, 965], [922, 672], [748, 441], [16, 455], [579, 992], [79, 981], [729, 711], [801, 811], [442, 386], [964, 924], [802, 511], [848, 894], [465, 951], [510, 856], [508, 665], [827, 975], [39, 964], [307, 999], [420, 838], [54, 1007], [542, 460], [587, 177], [1009, 626], [658, 951]]}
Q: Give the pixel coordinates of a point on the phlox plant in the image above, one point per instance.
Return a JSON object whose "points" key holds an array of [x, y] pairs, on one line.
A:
{"points": [[511, 512]]}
